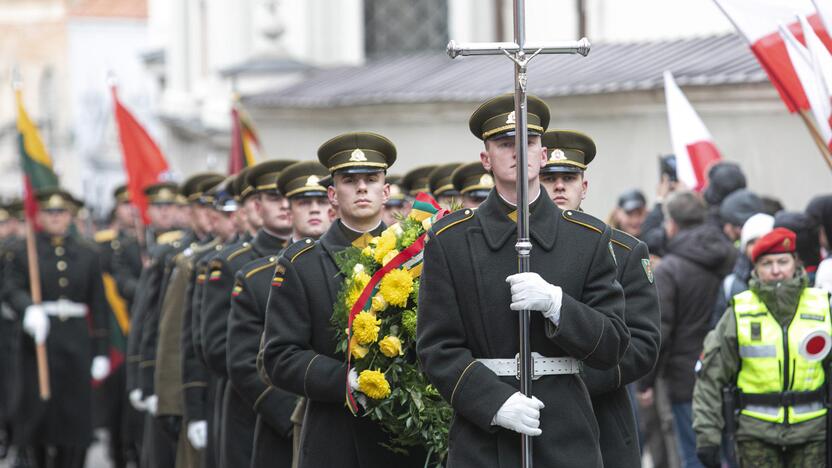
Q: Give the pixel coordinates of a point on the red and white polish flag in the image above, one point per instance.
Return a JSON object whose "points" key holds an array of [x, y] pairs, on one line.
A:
{"points": [[813, 65], [758, 21], [692, 142]]}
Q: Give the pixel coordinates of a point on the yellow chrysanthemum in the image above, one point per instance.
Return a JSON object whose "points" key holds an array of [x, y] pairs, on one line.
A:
{"points": [[357, 351], [368, 252], [390, 256], [365, 327], [359, 282], [386, 243], [390, 346], [396, 287], [373, 384], [379, 304]]}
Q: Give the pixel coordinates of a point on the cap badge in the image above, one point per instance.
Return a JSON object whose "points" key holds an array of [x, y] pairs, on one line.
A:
{"points": [[312, 181], [787, 243], [558, 155], [395, 190], [510, 118], [487, 180], [55, 201], [358, 156], [164, 194]]}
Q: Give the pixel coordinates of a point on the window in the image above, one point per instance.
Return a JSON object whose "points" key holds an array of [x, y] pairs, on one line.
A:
{"points": [[395, 26]]}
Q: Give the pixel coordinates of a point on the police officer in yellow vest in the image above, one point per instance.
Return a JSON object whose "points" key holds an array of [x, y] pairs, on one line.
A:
{"points": [[773, 344]]}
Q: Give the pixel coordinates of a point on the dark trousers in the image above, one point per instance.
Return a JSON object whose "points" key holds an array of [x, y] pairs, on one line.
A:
{"points": [[56, 456], [158, 449]]}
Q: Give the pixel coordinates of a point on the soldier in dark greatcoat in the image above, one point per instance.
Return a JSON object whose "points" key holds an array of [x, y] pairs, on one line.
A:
{"points": [[299, 352], [72, 321], [252, 398], [468, 332]]}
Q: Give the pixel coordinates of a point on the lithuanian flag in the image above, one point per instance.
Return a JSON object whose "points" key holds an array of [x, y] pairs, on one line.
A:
{"points": [[34, 160], [245, 145]]}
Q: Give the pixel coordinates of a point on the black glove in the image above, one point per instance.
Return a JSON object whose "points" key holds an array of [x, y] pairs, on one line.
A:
{"points": [[709, 456]]}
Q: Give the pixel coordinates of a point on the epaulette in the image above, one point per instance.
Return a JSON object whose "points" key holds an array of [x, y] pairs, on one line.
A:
{"points": [[105, 236], [297, 249], [259, 265], [245, 247], [622, 239], [451, 219], [170, 237], [588, 221]]}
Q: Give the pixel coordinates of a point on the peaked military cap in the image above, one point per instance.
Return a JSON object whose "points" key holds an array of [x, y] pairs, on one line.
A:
{"points": [[241, 187], [221, 195], [303, 179], [357, 152], [161, 193], [568, 151], [440, 182], [15, 208], [417, 180], [204, 189], [495, 118], [121, 194], [397, 196], [56, 198], [195, 185], [262, 177], [5, 215], [472, 179]]}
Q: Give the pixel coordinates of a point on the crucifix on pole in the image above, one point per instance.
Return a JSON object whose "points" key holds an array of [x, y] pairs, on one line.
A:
{"points": [[518, 51]]}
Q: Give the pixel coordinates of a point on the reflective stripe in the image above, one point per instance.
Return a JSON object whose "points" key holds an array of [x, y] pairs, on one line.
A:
{"points": [[770, 410], [752, 351], [807, 407]]}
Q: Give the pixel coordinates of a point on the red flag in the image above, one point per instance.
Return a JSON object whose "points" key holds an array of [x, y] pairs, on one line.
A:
{"points": [[692, 142], [143, 161], [758, 21]]}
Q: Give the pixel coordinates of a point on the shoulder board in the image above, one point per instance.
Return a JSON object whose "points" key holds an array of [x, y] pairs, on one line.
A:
{"points": [[260, 265], [452, 219], [297, 249], [170, 237], [622, 239], [215, 264], [242, 248], [582, 219], [105, 236]]}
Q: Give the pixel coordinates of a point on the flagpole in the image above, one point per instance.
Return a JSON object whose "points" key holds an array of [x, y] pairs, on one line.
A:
{"points": [[34, 281]]}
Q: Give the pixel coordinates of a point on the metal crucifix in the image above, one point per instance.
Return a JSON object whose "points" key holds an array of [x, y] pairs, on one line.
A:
{"points": [[517, 52]]}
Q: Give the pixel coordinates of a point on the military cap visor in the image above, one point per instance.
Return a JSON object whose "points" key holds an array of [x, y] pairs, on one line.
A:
{"points": [[496, 118], [163, 193], [240, 185], [472, 177], [417, 180], [568, 151], [197, 184], [262, 177], [440, 181], [357, 152], [303, 179], [57, 199]]}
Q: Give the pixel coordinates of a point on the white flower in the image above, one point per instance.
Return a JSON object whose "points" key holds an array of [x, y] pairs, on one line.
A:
{"points": [[358, 268]]}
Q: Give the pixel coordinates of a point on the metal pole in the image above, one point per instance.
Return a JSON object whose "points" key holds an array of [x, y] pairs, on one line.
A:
{"points": [[523, 246]]}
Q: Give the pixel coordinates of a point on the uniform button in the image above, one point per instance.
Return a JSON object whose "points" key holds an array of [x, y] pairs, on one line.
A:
{"points": [[569, 213], [115, 244], [308, 241], [63, 282], [61, 265], [271, 259], [59, 251]]}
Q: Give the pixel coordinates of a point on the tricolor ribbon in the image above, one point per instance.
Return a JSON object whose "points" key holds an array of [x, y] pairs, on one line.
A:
{"points": [[425, 207]]}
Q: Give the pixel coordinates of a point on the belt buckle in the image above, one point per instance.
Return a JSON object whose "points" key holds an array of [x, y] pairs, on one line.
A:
{"points": [[532, 356]]}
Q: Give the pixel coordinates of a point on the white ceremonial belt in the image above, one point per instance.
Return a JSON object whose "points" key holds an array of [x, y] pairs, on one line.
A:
{"points": [[64, 309], [541, 366]]}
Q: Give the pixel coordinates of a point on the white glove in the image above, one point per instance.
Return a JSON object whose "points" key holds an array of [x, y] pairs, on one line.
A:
{"points": [[531, 292], [198, 434], [520, 414], [152, 404], [359, 396], [136, 400], [36, 323], [100, 367]]}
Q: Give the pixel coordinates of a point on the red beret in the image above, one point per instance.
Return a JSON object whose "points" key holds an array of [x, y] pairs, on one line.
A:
{"points": [[779, 240]]}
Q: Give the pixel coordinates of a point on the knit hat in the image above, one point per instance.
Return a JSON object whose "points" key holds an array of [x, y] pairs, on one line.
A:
{"points": [[779, 240], [755, 227], [723, 179], [807, 230], [823, 277], [740, 205], [820, 208]]}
